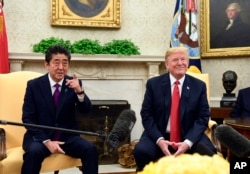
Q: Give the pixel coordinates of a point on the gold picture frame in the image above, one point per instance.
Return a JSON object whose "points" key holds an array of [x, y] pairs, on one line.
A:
{"points": [[86, 13], [212, 15]]}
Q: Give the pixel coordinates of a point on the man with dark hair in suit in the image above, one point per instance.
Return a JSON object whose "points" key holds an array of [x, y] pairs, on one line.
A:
{"points": [[41, 108], [157, 117], [242, 104], [235, 32]]}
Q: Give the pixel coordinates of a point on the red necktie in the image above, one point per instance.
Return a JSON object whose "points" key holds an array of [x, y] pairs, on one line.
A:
{"points": [[175, 126]]}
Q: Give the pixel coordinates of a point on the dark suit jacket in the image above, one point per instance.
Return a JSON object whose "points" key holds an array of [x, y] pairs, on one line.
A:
{"points": [[242, 104], [39, 108], [194, 106]]}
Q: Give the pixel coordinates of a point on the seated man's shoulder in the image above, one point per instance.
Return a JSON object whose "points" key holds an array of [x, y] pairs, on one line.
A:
{"points": [[245, 90]]}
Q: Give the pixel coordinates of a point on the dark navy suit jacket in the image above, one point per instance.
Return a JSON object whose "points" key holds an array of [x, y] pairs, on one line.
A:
{"points": [[39, 108], [194, 108], [242, 104]]}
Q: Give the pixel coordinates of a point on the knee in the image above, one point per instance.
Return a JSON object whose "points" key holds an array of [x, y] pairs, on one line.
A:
{"points": [[36, 149], [140, 151], [89, 149], [36, 152], [92, 148]]}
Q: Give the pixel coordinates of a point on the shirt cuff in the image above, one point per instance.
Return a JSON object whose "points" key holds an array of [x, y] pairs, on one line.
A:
{"points": [[80, 97], [45, 141], [189, 143], [161, 138]]}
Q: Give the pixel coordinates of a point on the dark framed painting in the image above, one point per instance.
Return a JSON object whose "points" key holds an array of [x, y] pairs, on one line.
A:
{"points": [[224, 28], [86, 13]]}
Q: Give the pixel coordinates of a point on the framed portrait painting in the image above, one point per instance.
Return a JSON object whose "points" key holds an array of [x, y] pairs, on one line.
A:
{"points": [[86, 13], [224, 28]]}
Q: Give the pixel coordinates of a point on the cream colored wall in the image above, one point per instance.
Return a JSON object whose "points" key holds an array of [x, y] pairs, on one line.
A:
{"points": [[144, 22], [147, 23]]}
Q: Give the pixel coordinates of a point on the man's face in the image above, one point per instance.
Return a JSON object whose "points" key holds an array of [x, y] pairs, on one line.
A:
{"points": [[231, 13], [229, 83], [177, 64], [58, 66]]}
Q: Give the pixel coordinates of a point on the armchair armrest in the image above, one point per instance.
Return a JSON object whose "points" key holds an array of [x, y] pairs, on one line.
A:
{"points": [[2, 144], [210, 133]]}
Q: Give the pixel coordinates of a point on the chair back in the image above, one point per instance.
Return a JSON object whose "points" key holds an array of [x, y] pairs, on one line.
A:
{"points": [[12, 90], [204, 78]]}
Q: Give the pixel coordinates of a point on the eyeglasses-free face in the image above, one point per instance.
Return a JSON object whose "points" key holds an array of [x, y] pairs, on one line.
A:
{"points": [[58, 66], [177, 64]]}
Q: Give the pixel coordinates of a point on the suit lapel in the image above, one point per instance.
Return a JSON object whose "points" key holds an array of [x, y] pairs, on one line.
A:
{"points": [[166, 90], [63, 95], [185, 94], [46, 89]]}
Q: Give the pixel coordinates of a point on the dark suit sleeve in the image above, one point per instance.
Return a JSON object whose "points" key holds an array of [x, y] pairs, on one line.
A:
{"points": [[29, 114], [85, 106], [236, 111], [242, 104], [152, 112]]}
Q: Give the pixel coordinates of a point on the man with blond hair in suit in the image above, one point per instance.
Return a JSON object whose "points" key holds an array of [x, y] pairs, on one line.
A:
{"points": [[156, 113]]}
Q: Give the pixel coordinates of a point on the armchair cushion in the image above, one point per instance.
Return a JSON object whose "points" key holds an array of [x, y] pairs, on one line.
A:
{"points": [[13, 162]]}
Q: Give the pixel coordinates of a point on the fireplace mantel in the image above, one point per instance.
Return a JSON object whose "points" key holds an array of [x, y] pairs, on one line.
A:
{"points": [[152, 63], [98, 57]]}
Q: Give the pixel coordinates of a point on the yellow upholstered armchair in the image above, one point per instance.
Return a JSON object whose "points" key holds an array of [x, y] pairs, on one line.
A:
{"points": [[211, 124], [12, 89]]}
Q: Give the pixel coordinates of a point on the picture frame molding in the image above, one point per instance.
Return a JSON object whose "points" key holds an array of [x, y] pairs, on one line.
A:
{"points": [[206, 50], [62, 15]]}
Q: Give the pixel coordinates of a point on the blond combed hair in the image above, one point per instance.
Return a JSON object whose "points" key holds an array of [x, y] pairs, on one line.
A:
{"points": [[173, 50]]}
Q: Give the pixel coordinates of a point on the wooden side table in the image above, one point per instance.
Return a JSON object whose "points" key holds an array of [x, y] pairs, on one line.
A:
{"points": [[219, 113], [242, 125]]}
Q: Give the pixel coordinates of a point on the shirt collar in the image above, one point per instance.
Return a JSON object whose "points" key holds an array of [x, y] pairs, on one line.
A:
{"points": [[173, 79], [52, 82]]}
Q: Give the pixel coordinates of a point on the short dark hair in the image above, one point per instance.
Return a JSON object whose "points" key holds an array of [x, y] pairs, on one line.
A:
{"points": [[56, 49]]}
